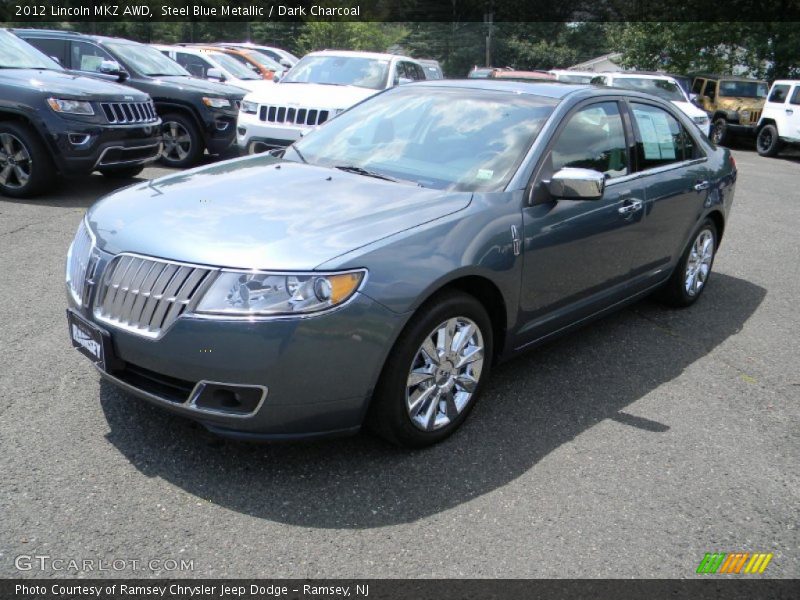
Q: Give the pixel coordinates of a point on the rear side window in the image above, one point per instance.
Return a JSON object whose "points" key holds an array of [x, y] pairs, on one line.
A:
{"points": [[196, 65], [795, 99], [779, 93], [662, 139], [711, 89], [698, 86], [593, 138], [53, 48]]}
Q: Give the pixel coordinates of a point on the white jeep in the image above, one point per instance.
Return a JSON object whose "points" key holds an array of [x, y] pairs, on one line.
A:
{"points": [[780, 122], [316, 89]]}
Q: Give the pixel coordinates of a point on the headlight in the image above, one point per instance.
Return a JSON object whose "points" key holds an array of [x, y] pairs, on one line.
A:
{"points": [[250, 108], [73, 107], [270, 294], [216, 102]]}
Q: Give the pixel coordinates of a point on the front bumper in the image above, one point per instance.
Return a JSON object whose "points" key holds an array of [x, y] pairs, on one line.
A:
{"points": [[254, 135], [81, 147], [317, 372], [219, 130]]}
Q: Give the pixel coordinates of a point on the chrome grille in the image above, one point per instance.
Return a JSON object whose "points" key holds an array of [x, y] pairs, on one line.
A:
{"points": [[129, 112], [145, 295], [77, 260], [293, 115]]}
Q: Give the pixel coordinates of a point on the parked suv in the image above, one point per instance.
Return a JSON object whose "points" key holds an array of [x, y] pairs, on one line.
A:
{"points": [[197, 115], [316, 89], [214, 64], [54, 122], [780, 121], [733, 103]]}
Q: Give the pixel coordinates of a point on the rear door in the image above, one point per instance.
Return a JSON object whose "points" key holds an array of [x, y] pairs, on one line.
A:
{"points": [[792, 111], [674, 172]]}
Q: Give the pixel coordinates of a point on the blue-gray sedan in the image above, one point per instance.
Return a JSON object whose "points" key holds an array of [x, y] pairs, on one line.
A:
{"points": [[374, 271]]}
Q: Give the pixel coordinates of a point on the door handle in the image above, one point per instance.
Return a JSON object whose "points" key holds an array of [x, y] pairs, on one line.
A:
{"points": [[702, 185], [630, 207], [789, 111]]}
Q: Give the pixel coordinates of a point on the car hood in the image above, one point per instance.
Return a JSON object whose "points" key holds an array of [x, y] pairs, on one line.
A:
{"points": [[194, 84], [67, 84], [313, 94], [259, 86], [262, 213], [690, 109]]}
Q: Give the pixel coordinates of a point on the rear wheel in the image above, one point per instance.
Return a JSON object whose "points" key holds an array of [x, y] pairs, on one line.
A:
{"points": [[768, 142], [435, 372], [719, 131], [183, 144], [122, 172], [25, 166], [694, 269]]}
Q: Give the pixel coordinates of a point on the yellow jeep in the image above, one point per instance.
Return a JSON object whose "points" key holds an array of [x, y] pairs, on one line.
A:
{"points": [[733, 103]]}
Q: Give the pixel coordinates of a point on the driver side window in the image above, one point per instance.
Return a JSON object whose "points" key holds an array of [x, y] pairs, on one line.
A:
{"points": [[88, 57], [593, 138]]}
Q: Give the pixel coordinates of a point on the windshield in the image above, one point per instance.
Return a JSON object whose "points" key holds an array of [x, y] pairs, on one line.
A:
{"points": [[16, 54], [663, 88], [443, 138], [743, 89], [233, 66], [146, 59], [265, 61], [369, 73]]}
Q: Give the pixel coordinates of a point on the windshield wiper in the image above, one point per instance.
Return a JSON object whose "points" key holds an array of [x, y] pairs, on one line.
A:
{"points": [[363, 171], [300, 154]]}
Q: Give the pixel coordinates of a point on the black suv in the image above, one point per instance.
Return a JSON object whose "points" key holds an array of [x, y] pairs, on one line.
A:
{"points": [[198, 115], [53, 121]]}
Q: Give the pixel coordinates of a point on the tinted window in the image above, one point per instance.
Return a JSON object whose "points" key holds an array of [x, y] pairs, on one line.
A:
{"points": [[88, 57], [710, 89], [779, 93], [698, 86], [52, 48], [743, 89], [662, 139], [593, 138], [437, 137], [146, 59], [197, 66], [795, 99]]}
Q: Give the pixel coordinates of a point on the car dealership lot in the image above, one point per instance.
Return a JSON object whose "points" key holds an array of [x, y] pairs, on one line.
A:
{"points": [[627, 449]]}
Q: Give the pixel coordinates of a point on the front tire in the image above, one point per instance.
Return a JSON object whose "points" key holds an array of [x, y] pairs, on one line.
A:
{"points": [[768, 142], [719, 132], [693, 271], [121, 172], [435, 372], [25, 166], [183, 144]]}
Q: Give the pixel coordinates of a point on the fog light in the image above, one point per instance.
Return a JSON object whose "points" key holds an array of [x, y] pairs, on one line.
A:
{"points": [[79, 139]]}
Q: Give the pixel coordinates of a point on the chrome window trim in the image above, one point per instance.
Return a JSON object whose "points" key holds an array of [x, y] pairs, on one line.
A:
{"points": [[655, 170], [191, 403]]}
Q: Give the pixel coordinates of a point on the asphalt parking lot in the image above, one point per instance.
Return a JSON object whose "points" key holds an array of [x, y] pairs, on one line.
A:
{"points": [[628, 449]]}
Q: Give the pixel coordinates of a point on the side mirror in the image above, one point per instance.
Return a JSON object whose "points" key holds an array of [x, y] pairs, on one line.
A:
{"points": [[276, 77], [113, 68], [285, 63], [577, 184], [215, 74], [404, 80]]}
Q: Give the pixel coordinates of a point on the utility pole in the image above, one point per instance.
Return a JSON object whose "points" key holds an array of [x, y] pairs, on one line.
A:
{"points": [[488, 19]]}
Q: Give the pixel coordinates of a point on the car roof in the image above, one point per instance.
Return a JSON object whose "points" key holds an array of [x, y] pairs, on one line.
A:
{"points": [[356, 53], [640, 76], [785, 81], [549, 89], [727, 77]]}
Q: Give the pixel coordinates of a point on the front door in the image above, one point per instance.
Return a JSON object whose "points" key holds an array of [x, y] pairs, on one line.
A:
{"points": [[578, 252]]}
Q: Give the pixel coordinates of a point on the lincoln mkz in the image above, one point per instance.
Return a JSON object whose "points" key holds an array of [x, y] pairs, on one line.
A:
{"points": [[373, 272]]}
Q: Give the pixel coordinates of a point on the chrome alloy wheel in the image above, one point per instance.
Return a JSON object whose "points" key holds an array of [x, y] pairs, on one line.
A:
{"points": [[15, 162], [444, 374], [698, 264], [177, 141]]}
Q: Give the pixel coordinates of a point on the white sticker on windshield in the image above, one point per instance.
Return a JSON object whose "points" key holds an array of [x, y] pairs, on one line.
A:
{"points": [[484, 174]]}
